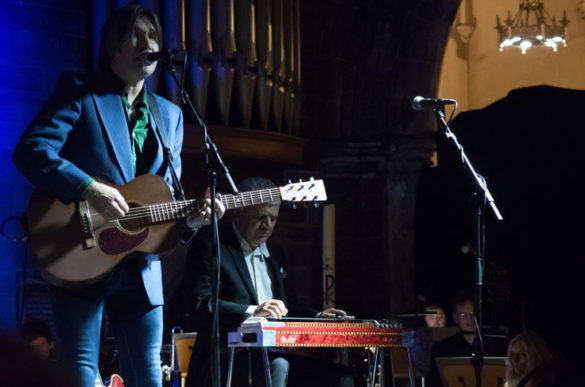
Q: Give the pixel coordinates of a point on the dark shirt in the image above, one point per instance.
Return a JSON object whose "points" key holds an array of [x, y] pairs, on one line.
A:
{"points": [[143, 144], [456, 346]]}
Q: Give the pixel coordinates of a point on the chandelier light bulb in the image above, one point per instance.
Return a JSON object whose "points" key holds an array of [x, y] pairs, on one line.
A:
{"points": [[531, 27]]}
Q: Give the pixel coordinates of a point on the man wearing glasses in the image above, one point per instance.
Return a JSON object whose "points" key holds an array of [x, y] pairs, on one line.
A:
{"points": [[463, 343]]}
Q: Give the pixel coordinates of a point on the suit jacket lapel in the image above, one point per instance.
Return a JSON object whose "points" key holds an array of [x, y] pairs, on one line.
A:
{"points": [[240, 263], [158, 165], [277, 273], [113, 118]]}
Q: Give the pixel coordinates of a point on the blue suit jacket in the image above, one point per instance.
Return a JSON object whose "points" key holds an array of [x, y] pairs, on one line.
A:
{"points": [[82, 131]]}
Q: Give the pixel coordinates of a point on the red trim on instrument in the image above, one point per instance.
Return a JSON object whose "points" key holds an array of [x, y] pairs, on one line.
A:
{"points": [[308, 334]]}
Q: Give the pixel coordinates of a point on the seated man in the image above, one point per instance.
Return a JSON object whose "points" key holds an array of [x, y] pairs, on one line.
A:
{"points": [[436, 317], [253, 276], [464, 342], [435, 320]]}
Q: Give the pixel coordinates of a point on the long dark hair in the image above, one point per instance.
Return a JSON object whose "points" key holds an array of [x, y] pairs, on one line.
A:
{"points": [[119, 27]]}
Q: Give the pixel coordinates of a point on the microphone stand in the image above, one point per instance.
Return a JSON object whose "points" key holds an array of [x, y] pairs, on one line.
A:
{"points": [[482, 195], [212, 163]]}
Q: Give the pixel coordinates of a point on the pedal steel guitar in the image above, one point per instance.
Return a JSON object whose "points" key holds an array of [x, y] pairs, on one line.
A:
{"points": [[289, 332]]}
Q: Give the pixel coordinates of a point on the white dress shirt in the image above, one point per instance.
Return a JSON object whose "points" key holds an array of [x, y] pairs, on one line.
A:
{"points": [[258, 269]]}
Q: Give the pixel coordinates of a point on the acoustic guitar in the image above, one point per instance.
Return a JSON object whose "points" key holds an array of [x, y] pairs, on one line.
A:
{"points": [[75, 246]]}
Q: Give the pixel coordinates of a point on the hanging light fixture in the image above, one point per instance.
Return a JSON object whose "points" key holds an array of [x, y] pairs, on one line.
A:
{"points": [[532, 26]]}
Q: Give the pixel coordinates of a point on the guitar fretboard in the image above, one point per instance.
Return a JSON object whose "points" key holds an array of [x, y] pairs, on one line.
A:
{"points": [[251, 198], [167, 212]]}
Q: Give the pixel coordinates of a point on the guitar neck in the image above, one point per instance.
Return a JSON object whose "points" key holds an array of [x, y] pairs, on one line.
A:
{"points": [[75, 245], [252, 198], [171, 211]]}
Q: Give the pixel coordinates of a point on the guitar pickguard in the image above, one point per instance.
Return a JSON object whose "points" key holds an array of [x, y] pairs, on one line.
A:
{"points": [[112, 241]]}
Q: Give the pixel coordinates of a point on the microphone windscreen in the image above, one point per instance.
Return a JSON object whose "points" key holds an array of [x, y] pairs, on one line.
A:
{"points": [[416, 103]]}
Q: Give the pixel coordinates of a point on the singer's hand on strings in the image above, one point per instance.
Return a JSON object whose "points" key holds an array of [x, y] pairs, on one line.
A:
{"points": [[106, 200], [203, 217]]}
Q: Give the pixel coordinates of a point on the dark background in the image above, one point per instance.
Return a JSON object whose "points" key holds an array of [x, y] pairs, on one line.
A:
{"points": [[400, 225], [527, 148]]}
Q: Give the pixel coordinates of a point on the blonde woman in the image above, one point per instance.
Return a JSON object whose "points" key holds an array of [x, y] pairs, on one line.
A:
{"points": [[529, 362]]}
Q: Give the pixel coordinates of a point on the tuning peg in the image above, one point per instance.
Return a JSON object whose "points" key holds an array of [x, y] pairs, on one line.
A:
{"points": [[295, 206], [289, 181], [316, 205]]}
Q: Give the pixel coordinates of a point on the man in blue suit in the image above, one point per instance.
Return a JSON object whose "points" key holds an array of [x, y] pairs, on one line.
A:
{"points": [[108, 126]]}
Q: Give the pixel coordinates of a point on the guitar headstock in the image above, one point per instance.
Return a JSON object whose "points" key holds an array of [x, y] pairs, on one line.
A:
{"points": [[304, 192]]}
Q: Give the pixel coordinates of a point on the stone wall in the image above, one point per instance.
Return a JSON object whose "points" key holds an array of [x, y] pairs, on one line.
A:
{"points": [[38, 40], [363, 62]]}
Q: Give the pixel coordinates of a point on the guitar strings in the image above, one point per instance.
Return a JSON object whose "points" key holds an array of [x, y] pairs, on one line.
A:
{"points": [[146, 211], [230, 201]]}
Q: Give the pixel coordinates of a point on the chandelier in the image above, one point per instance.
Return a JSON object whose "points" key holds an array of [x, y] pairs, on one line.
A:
{"points": [[532, 26]]}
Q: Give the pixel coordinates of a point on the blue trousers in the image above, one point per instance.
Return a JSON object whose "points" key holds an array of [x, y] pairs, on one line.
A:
{"points": [[137, 326]]}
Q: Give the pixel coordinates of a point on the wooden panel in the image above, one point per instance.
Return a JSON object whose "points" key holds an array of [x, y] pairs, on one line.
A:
{"points": [[249, 143]]}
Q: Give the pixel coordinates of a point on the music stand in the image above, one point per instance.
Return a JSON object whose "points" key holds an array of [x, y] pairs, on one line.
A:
{"points": [[460, 371], [183, 347]]}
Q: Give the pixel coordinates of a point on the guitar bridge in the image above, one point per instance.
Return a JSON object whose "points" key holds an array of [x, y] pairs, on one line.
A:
{"points": [[87, 235]]}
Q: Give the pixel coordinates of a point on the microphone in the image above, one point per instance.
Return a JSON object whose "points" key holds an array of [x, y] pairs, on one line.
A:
{"points": [[151, 57], [419, 102]]}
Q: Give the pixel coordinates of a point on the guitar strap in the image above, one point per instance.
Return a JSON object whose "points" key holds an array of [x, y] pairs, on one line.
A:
{"points": [[167, 154]]}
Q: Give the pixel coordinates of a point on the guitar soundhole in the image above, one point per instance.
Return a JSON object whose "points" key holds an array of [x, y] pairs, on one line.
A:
{"points": [[134, 221]]}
